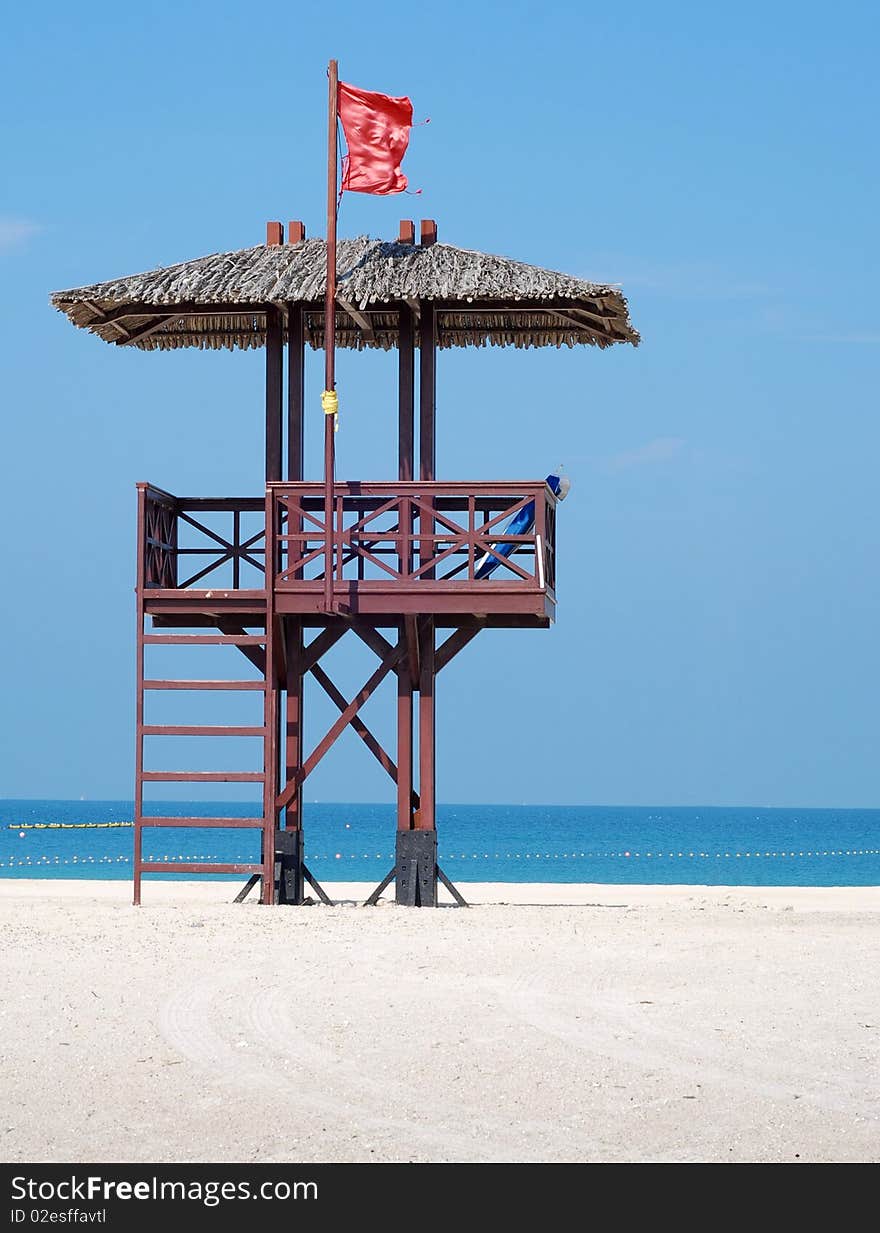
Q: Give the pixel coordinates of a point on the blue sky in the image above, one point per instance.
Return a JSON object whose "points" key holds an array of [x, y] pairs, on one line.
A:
{"points": [[719, 561]]}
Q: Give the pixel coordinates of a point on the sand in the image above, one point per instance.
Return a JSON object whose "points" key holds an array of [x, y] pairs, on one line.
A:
{"points": [[547, 1023]]}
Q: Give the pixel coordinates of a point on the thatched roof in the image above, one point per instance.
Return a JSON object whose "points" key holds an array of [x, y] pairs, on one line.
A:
{"points": [[221, 300]]}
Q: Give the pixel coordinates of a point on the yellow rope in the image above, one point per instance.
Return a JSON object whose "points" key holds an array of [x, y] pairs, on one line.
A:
{"points": [[330, 406]]}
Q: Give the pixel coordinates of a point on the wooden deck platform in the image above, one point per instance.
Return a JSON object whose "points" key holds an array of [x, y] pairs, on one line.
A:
{"points": [[397, 549]]}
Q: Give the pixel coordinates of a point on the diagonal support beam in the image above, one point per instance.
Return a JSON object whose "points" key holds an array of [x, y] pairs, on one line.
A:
{"points": [[317, 887], [144, 332], [374, 640], [247, 888], [579, 325], [453, 890], [209, 568], [456, 642], [371, 636], [386, 881], [319, 646], [255, 654], [361, 321], [218, 539], [387, 665], [360, 727]]}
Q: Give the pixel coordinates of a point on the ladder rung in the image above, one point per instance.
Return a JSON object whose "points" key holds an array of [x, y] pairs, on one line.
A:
{"points": [[232, 822], [206, 639], [203, 776], [204, 685], [184, 867], [200, 730]]}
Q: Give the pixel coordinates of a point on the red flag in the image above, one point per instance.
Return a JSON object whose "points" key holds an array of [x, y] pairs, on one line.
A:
{"points": [[376, 130]]}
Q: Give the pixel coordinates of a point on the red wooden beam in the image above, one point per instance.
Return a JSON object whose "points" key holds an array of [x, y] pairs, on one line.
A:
{"points": [[375, 748], [234, 685], [202, 776], [425, 819], [254, 653], [388, 663], [407, 799], [202, 730], [319, 646], [295, 390], [205, 639], [293, 749], [222, 823], [412, 646], [189, 867], [272, 739], [142, 492], [373, 639], [406, 393], [274, 394], [455, 643]]}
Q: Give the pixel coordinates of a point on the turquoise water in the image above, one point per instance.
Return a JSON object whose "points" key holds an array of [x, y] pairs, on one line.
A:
{"points": [[477, 843]]}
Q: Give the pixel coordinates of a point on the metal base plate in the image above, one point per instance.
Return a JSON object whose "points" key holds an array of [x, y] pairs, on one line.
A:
{"points": [[416, 860]]}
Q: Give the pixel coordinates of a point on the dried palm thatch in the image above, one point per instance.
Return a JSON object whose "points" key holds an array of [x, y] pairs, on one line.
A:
{"points": [[222, 300]]}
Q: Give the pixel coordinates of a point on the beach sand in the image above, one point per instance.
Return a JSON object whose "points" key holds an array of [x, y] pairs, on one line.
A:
{"points": [[546, 1023]]}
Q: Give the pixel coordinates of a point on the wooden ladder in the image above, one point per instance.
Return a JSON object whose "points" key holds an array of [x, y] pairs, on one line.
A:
{"points": [[258, 650]]}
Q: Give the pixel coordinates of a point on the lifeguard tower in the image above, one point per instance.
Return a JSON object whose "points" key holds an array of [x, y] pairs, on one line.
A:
{"points": [[300, 565]]}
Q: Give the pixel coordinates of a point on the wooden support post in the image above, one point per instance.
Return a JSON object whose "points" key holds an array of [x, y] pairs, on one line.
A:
{"points": [[427, 392], [404, 742], [274, 393], [270, 759], [406, 393], [294, 719], [411, 625], [426, 820], [406, 369], [139, 695], [295, 391], [427, 424], [415, 869]]}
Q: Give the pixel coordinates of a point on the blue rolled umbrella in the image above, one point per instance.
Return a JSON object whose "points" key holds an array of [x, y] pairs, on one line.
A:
{"points": [[520, 524]]}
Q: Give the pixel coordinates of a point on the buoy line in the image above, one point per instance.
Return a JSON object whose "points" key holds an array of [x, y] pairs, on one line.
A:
{"points": [[64, 826], [463, 856], [517, 856]]}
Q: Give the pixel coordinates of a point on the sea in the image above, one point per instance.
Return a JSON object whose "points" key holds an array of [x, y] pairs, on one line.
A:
{"points": [[715, 846]]}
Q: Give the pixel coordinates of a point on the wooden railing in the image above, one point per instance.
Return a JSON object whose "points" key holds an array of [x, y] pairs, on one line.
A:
{"points": [[430, 534], [187, 542], [393, 535]]}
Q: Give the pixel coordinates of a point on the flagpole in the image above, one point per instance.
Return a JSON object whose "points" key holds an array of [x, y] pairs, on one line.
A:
{"points": [[330, 331]]}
